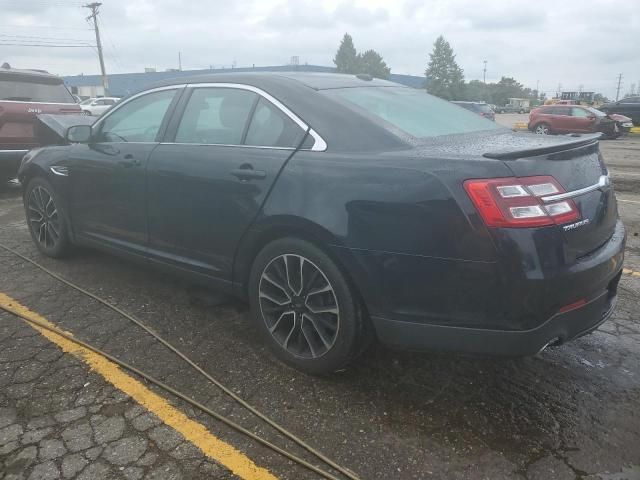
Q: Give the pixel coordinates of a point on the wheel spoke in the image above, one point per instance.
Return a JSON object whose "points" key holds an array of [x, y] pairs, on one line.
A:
{"points": [[273, 300], [319, 331], [310, 343], [53, 233], [333, 310], [299, 306], [316, 291], [293, 329], [273, 282], [275, 325]]}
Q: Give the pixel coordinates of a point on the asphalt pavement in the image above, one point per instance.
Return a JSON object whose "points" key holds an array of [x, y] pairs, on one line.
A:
{"points": [[570, 412]]}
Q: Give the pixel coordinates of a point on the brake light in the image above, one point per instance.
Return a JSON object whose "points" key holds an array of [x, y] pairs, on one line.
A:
{"points": [[517, 202]]}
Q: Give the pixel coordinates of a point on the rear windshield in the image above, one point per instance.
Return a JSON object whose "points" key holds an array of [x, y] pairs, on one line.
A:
{"points": [[413, 111], [483, 107], [29, 91]]}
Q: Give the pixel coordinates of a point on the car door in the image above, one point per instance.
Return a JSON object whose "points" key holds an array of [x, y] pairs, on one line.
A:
{"points": [[107, 175], [207, 183], [562, 121], [583, 120]]}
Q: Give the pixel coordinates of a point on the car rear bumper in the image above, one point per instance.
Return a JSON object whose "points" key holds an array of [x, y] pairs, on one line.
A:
{"points": [[559, 329], [10, 161], [490, 308]]}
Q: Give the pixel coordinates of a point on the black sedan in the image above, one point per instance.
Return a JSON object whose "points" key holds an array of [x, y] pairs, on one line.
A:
{"points": [[343, 209]]}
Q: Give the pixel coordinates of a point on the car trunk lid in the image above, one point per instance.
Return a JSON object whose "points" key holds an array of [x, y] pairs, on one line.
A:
{"points": [[577, 164]]}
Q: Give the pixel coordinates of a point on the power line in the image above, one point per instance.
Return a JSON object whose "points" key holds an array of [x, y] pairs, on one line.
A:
{"points": [[30, 27], [57, 39], [43, 45]]}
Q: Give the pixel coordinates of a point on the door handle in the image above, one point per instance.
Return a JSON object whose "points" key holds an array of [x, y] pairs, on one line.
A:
{"points": [[247, 173], [129, 161]]}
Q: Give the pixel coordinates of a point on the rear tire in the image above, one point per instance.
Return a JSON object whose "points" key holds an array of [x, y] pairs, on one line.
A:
{"points": [[305, 307], [46, 219], [542, 129]]}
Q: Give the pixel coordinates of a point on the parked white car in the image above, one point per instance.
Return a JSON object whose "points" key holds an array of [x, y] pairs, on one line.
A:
{"points": [[97, 106]]}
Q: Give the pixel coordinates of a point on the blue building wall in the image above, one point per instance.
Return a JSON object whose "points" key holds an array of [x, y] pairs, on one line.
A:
{"points": [[122, 84]]}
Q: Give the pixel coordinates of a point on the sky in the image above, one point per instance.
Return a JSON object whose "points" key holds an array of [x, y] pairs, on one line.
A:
{"points": [[575, 43]]}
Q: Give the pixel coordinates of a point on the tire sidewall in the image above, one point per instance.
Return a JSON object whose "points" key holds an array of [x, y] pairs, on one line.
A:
{"points": [[350, 326], [63, 245]]}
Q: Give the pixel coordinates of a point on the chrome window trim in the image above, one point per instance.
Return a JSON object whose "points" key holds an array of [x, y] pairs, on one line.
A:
{"points": [[24, 152], [603, 181], [319, 144], [230, 145]]}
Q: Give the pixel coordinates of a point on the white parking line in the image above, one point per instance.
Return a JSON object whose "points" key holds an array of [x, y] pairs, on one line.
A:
{"points": [[627, 201]]}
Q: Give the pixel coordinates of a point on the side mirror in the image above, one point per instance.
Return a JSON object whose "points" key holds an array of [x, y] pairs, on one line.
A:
{"points": [[78, 134]]}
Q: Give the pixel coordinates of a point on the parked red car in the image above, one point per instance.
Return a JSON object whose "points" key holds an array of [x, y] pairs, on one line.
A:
{"points": [[550, 119], [23, 95]]}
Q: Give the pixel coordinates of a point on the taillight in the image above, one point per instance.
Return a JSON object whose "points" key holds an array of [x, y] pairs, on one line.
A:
{"points": [[517, 202]]}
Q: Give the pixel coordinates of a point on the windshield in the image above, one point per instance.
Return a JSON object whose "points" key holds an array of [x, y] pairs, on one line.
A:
{"points": [[596, 112], [26, 91], [87, 101], [412, 111]]}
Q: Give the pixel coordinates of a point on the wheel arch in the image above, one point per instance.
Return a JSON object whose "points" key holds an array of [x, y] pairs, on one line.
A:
{"points": [[273, 229], [263, 232]]}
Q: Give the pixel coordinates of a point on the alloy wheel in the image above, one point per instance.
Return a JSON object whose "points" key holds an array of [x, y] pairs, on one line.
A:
{"points": [[44, 219], [542, 130], [299, 306]]}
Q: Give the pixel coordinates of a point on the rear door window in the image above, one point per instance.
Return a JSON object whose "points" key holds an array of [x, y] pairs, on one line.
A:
{"points": [[216, 116], [579, 112], [29, 90], [270, 127]]}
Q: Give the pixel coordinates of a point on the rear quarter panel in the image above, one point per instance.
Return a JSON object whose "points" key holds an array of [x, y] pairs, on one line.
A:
{"points": [[399, 226]]}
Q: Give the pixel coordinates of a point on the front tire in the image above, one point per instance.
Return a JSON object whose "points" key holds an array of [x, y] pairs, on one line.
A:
{"points": [[46, 219], [305, 307]]}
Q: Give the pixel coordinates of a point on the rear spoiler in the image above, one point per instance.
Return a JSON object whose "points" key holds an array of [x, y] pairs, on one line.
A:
{"points": [[576, 142]]}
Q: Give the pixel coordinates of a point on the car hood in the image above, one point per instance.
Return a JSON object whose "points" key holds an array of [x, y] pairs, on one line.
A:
{"points": [[618, 118], [51, 129]]}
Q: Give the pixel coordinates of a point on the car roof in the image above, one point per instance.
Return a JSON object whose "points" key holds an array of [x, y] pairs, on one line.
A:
{"points": [[15, 73], [316, 81], [469, 103]]}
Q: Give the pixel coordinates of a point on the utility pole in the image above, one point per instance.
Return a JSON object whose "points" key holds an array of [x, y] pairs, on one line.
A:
{"points": [[618, 90], [484, 73], [180, 61], [94, 16]]}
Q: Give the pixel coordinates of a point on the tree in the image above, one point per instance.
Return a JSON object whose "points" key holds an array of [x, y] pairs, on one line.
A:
{"points": [[507, 88], [475, 90], [445, 77], [346, 58], [371, 62]]}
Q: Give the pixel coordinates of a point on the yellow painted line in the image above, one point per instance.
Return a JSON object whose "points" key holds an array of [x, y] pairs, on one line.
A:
{"points": [[628, 271], [635, 129], [196, 433]]}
